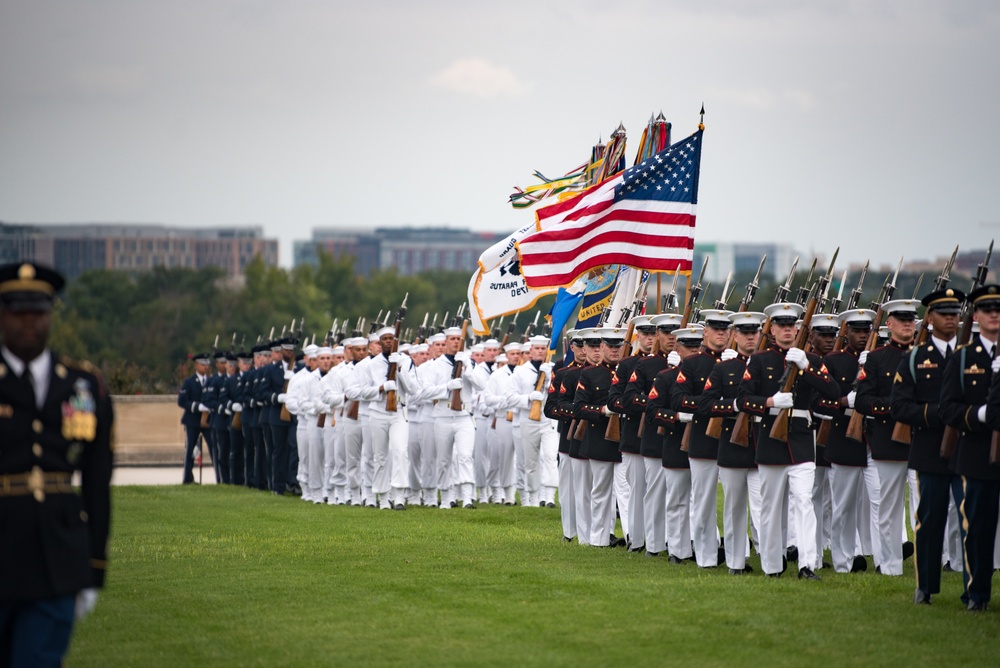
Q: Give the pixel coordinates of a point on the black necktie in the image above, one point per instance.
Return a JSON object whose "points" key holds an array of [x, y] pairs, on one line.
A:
{"points": [[947, 351], [29, 385]]}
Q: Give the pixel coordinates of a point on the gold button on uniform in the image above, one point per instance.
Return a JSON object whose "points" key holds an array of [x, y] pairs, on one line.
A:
{"points": [[36, 426], [36, 450]]}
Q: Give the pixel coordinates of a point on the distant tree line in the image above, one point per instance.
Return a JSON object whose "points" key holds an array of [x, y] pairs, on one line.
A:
{"points": [[142, 328]]}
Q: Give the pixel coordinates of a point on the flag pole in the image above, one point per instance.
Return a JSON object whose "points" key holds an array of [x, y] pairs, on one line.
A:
{"points": [[659, 276]]}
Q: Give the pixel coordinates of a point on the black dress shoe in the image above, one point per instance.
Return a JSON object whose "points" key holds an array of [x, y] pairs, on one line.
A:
{"points": [[550, 505], [567, 539], [784, 564], [807, 574], [827, 564], [792, 553], [652, 554], [469, 506], [615, 541], [947, 568], [746, 570], [860, 564], [977, 607], [921, 598], [722, 554], [541, 504], [772, 575], [907, 550], [675, 560], [878, 569], [399, 506]]}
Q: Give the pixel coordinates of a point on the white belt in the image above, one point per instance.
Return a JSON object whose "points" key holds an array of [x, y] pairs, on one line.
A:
{"points": [[848, 412], [796, 412]]}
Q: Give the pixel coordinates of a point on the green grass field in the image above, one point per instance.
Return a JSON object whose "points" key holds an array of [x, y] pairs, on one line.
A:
{"points": [[226, 576]]}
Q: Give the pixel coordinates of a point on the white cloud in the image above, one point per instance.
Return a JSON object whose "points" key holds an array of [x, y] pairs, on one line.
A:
{"points": [[477, 77]]}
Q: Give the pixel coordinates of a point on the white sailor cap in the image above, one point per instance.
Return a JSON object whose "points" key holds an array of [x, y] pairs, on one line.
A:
{"points": [[643, 323], [539, 340], [491, 343], [501, 359], [325, 350], [388, 329], [747, 321], [419, 348], [901, 309], [825, 323], [477, 348], [434, 338], [512, 347], [690, 337], [372, 337], [716, 318], [452, 331], [338, 350], [310, 350], [356, 341], [858, 318], [403, 347], [667, 322], [525, 346], [784, 313]]}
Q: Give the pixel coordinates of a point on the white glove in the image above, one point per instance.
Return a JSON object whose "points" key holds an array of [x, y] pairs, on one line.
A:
{"points": [[981, 414], [462, 356], [228, 412], [606, 410], [289, 374], [454, 384], [86, 600], [546, 368], [685, 417], [995, 365], [203, 408], [797, 356], [729, 354], [197, 452], [674, 358], [536, 396], [389, 386], [783, 400], [851, 396], [237, 407], [282, 397], [862, 358], [395, 358]]}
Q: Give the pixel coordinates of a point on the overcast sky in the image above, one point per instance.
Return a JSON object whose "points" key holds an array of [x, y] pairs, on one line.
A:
{"points": [[872, 124]]}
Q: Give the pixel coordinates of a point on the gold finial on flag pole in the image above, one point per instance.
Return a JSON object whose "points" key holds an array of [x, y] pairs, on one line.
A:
{"points": [[701, 123]]}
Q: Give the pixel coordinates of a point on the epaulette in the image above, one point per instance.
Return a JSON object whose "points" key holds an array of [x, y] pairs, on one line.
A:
{"points": [[87, 367]]}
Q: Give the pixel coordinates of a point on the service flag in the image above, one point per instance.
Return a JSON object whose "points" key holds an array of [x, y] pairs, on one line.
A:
{"points": [[644, 217]]}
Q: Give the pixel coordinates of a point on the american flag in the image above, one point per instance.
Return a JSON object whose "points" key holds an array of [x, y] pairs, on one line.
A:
{"points": [[643, 217]]}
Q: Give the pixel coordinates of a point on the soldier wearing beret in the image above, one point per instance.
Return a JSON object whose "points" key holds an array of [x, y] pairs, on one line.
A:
{"points": [[56, 418]]}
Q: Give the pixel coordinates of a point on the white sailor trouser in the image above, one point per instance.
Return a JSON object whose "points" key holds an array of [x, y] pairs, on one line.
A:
{"points": [[704, 513], [413, 435], [390, 456], [892, 484], [334, 464], [635, 475], [567, 506], [735, 494], [506, 474], [622, 494], [314, 459], [428, 463], [518, 442], [791, 485], [352, 456], [302, 435], [848, 489], [678, 512], [481, 455], [531, 448], [602, 503], [654, 505], [454, 436], [548, 466], [367, 459], [583, 481]]}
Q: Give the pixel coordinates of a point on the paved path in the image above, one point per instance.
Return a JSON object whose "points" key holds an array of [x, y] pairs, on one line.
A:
{"points": [[157, 475]]}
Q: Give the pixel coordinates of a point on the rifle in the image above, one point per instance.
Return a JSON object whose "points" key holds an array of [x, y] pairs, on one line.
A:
{"points": [[855, 428], [901, 432], [204, 416], [950, 438], [803, 293], [714, 428], [456, 395], [741, 429], [823, 433], [835, 304], [613, 431], [390, 396], [510, 330]]}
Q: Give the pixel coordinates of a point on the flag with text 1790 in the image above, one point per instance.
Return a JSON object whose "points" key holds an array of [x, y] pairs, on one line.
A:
{"points": [[644, 217]]}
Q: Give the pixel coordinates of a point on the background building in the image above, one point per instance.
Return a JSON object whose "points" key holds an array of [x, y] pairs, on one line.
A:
{"points": [[409, 250], [738, 256], [73, 249]]}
